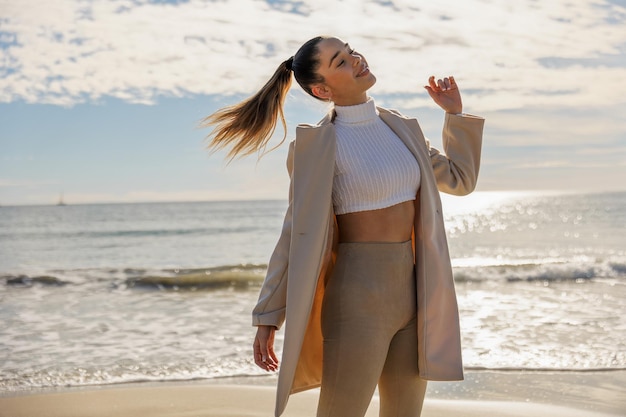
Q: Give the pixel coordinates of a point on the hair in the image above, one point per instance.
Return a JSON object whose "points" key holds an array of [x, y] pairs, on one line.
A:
{"points": [[247, 127]]}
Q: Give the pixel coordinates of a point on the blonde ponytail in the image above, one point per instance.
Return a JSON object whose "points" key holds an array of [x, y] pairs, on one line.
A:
{"points": [[247, 127]]}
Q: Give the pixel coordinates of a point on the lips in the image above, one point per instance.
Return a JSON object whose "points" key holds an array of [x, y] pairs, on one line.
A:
{"points": [[364, 71]]}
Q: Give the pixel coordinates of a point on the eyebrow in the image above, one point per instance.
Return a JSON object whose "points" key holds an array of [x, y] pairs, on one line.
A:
{"points": [[335, 56]]}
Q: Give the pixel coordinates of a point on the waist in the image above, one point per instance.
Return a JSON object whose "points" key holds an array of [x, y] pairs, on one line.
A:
{"points": [[390, 224]]}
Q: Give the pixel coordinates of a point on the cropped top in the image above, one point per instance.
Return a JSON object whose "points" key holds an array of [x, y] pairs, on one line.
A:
{"points": [[374, 169]]}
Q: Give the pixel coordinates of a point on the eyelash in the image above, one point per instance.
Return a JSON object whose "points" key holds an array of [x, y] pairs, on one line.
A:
{"points": [[350, 52]]}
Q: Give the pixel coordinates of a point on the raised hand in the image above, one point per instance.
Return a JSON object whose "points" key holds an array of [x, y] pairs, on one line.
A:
{"points": [[445, 93]]}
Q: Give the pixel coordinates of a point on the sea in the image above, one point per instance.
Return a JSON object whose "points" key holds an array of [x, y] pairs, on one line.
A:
{"points": [[117, 293]]}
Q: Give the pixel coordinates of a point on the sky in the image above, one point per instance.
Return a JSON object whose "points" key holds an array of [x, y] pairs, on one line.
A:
{"points": [[100, 100]]}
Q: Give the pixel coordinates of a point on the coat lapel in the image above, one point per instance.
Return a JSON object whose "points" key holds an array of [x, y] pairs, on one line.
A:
{"points": [[437, 322]]}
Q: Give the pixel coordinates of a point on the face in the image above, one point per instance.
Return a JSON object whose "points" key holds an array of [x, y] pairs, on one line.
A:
{"points": [[346, 74]]}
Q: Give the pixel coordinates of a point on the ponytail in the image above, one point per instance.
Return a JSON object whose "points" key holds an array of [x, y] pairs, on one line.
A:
{"points": [[247, 127]]}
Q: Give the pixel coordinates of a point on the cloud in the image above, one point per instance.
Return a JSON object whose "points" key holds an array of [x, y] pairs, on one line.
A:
{"points": [[507, 55], [554, 125]]}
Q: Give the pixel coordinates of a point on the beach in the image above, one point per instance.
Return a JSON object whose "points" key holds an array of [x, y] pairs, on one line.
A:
{"points": [[577, 394], [144, 309]]}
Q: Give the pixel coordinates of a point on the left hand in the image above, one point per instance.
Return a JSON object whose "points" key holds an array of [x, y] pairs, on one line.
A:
{"points": [[445, 93], [263, 348]]}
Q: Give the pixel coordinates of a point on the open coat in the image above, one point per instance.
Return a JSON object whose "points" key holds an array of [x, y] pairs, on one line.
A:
{"points": [[304, 255]]}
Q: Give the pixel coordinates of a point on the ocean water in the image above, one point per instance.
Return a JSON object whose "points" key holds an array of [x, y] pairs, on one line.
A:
{"points": [[104, 294]]}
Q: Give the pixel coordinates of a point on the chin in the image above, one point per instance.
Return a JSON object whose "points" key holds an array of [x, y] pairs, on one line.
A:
{"points": [[372, 80]]}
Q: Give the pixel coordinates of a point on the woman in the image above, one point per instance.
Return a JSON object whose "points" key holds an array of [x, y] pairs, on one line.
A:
{"points": [[361, 273]]}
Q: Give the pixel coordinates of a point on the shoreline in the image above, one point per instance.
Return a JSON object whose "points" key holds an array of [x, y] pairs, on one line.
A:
{"points": [[572, 394]]}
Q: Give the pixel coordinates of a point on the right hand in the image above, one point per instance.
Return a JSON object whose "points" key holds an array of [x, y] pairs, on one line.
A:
{"points": [[264, 355], [446, 94]]}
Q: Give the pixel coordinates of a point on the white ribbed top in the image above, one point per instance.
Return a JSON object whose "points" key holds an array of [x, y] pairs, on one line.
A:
{"points": [[374, 169]]}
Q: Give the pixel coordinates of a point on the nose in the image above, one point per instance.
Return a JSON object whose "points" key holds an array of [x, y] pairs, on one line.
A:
{"points": [[357, 59]]}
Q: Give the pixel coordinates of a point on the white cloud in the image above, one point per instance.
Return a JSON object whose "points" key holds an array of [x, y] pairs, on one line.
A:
{"points": [[544, 126], [71, 51]]}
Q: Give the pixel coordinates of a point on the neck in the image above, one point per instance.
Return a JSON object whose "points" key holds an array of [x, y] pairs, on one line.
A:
{"points": [[351, 101]]}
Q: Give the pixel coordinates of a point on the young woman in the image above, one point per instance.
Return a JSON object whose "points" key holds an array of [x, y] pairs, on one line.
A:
{"points": [[361, 273]]}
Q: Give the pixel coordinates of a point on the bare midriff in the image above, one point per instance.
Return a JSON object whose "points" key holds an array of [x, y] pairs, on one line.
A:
{"points": [[390, 224]]}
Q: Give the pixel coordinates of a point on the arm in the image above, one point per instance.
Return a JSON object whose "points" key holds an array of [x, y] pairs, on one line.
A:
{"points": [[269, 313], [270, 308], [456, 172]]}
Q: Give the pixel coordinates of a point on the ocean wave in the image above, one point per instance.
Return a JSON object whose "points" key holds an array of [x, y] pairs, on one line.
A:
{"points": [[128, 233], [13, 381], [124, 371], [242, 276], [539, 370], [554, 271], [27, 281], [223, 276], [238, 277]]}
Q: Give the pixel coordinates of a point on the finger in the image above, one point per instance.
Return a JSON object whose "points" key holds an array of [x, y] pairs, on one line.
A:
{"points": [[259, 362], [441, 84], [265, 364], [271, 366], [446, 83], [452, 82], [268, 363], [270, 358], [260, 357], [430, 91], [273, 356], [431, 83], [264, 356]]}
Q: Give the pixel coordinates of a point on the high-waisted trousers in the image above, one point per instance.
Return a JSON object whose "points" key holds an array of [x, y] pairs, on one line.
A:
{"points": [[370, 334]]}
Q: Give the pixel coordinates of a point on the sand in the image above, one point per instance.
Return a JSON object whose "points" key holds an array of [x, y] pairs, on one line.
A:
{"points": [[243, 399]]}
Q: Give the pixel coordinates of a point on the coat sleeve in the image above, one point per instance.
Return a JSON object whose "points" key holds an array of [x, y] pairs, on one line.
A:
{"points": [[270, 308], [456, 171]]}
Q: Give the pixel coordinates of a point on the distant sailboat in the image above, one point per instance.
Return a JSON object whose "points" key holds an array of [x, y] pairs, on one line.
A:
{"points": [[61, 202]]}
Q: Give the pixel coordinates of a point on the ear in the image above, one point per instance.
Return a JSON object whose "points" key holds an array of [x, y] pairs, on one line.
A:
{"points": [[321, 91]]}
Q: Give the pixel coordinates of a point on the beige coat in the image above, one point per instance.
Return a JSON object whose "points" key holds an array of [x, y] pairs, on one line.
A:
{"points": [[304, 255]]}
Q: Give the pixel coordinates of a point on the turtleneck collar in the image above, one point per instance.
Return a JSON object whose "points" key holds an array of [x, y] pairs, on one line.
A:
{"points": [[359, 113]]}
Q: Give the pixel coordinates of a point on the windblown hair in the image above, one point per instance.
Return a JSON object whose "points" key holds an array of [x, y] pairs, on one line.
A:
{"points": [[248, 126]]}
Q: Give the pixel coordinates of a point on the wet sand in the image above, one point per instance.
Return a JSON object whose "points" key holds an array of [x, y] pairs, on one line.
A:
{"points": [[509, 394]]}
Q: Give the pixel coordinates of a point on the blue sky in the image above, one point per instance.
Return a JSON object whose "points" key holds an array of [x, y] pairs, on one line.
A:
{"points": [[99, 100]]}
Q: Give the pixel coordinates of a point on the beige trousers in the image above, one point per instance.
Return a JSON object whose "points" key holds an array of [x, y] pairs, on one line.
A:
{"points": [[370, 334]]}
